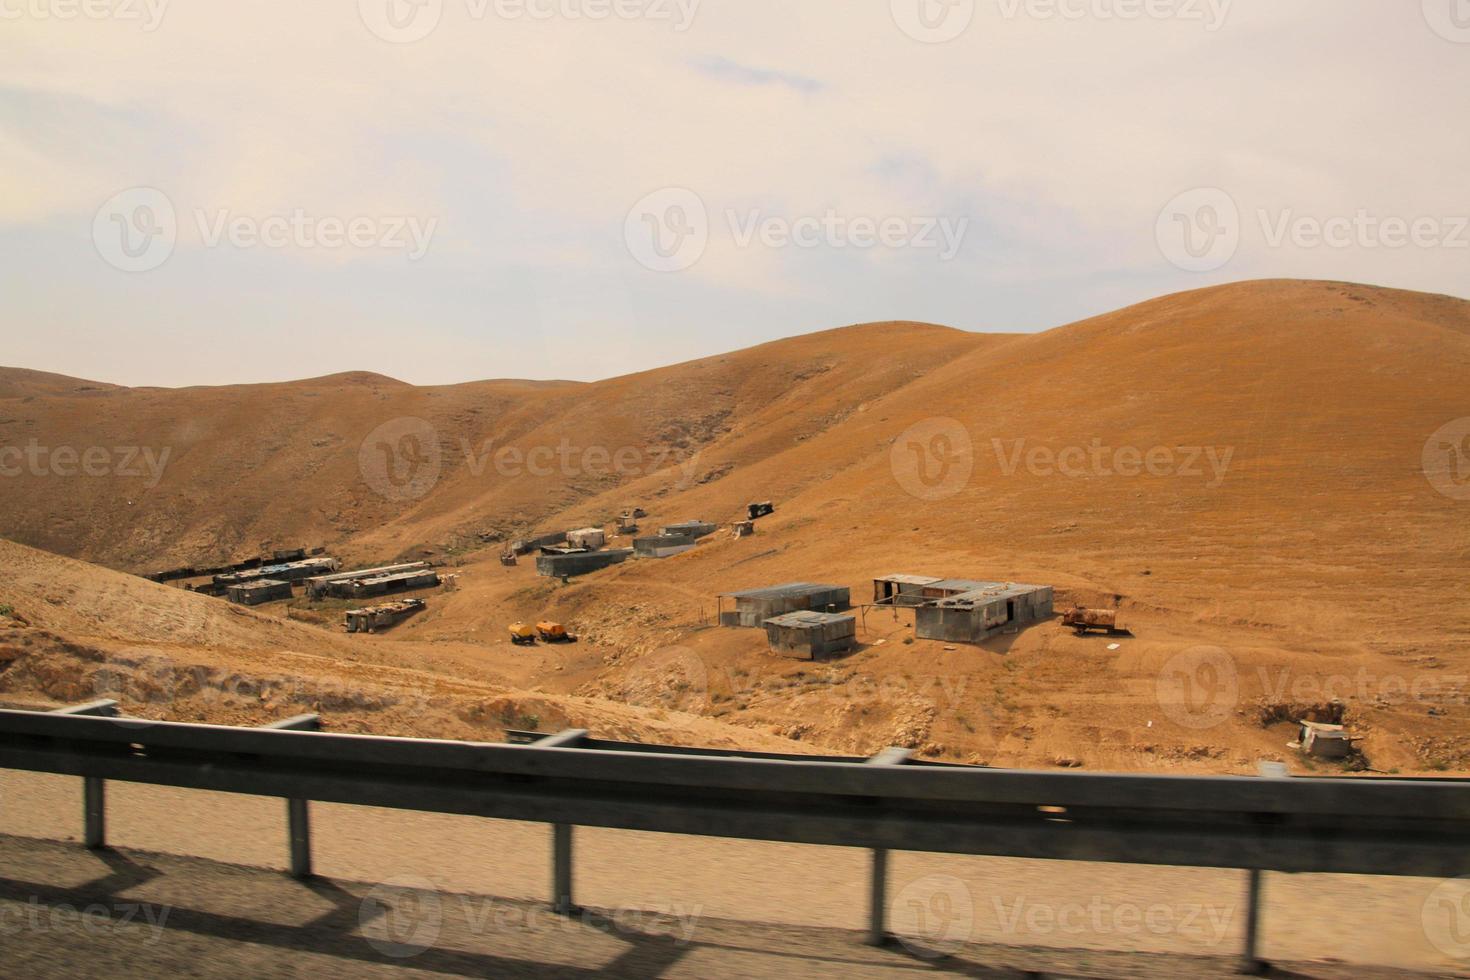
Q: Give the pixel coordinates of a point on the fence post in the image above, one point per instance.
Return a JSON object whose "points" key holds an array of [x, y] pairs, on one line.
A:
{"points": [[878, 875], [94, 790], [298, 813]]}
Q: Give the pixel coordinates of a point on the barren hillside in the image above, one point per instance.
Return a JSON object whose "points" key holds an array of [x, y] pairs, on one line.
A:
{"points": [[1260, 473]]}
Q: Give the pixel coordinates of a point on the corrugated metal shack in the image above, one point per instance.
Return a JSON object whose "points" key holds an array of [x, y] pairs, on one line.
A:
{"points": [[976, 613], [339, 584], [901, 590], [293, 571], [808, 635], [557, 566], [396, 582], [524, 546], [587, 537], [691, 529], [259, 591], [662, 545], [754, 606], [374, 618]]}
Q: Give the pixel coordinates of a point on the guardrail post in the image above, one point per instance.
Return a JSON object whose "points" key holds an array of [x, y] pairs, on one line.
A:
{"points": [[1251, 963], [561, 869], [878, 874], [878, 899], [561, 833], [94, 812], [298, 812], [94, 790]]}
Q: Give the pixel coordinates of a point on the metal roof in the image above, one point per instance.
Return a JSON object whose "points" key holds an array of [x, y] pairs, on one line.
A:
{"points": [[781, 591], [908, 579], [992, 592], [806, 619]]}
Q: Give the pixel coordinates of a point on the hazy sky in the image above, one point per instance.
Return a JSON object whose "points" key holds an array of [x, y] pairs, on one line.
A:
{"points": [[444, 190]]}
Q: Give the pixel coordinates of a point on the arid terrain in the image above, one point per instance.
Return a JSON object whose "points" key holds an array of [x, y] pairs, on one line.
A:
{"points": [[1267, 476]]}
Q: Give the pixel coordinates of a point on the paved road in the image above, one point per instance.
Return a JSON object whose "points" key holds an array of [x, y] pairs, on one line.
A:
{"points": [[668, 905]]}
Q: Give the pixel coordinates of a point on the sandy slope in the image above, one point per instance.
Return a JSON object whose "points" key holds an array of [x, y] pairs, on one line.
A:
{"points": [[1288, 545]]}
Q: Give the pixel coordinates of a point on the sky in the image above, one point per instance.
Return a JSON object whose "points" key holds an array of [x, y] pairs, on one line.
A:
{"points": [[450, 190]]}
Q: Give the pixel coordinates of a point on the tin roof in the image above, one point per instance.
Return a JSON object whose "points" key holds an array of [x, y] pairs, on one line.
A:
{"points": [[908, 579], [806, 619], [990, 592], [781, 591]]}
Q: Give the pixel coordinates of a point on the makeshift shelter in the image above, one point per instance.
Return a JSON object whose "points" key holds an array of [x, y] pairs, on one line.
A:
{"points": [[754, 606], [975, 614], [259, 591], [558, 566], [590, 538], [808, 635]]}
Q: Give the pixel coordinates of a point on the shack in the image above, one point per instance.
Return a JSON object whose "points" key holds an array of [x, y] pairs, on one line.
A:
{"points": [[901, 590], [340, 583], [977, 613], [752, 511], [1323, 741], [754, 606], [808, 635], [692, 529], [662, 545], [558, 566], [396, 582], [293, 571], [590, 538], [259, 591], [374, 618]]}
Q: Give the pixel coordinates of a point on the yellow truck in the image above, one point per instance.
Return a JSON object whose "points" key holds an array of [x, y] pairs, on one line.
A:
{"points": [[522, 635], [554, 632]]}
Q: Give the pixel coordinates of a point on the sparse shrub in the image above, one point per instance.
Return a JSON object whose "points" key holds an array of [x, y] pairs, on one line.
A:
{"points": [[6, 609]]}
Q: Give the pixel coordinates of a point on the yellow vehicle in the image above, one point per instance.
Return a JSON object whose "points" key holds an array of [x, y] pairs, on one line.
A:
{"points": [[553, 632], [522, 635]]}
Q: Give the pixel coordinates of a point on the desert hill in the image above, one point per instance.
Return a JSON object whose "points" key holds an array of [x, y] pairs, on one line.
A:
{"points": [[1244, 467]]}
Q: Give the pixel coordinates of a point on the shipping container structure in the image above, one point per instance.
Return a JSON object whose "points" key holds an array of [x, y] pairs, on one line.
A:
{"points": [[425, 578], [293, 571], [560, 566], [259, 591], [373, 618], [980, 612], [662, 545], [339, 584], [808, 635], [754, 606], [901, 590]]}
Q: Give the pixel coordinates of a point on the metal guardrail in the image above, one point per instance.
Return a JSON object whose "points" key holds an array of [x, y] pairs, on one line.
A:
{"points": [[1418, 827]]}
